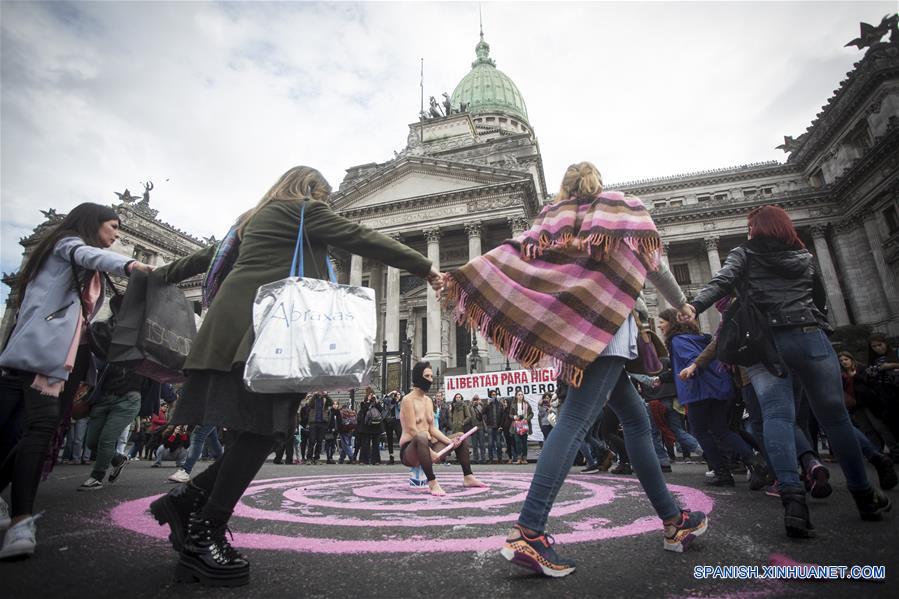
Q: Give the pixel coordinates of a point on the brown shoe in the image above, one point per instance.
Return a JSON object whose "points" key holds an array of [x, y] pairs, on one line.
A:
{"points": [[606, 462]]}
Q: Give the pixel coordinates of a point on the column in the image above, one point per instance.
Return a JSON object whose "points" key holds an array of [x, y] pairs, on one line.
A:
{"points": [[392, 317], [852, 251], [376, 282], [711, 247], [434, 352], [839, 315], [663, 303], [474, 230], [518, 224], [887, 281], [356, 270]]}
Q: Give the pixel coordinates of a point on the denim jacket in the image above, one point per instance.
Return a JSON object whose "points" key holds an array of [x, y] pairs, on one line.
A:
{"points": [[48, 313]]}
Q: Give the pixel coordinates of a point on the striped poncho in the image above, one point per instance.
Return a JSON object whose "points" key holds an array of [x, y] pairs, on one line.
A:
{"points": [[559, 292]]}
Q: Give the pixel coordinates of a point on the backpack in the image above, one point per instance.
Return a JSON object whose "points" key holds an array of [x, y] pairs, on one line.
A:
{"points": [[373, 416], [347, 420], [745, 338]]}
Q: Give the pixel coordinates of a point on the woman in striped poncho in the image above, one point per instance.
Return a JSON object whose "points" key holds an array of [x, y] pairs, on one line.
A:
{"points": [[562, 293]]}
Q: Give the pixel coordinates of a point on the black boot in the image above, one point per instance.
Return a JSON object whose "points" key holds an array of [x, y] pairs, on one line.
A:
{"points": [[871, 504], [759, 474], [885, 471], [175, 508], [208, 558], [796, 518], [622, 468], [723, 478]]}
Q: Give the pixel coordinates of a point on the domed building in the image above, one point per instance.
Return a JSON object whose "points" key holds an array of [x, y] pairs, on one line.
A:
{"points": [[469, 177]]}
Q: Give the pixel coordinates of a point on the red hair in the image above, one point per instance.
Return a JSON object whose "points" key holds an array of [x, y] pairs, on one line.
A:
{"points": [[775, 223]]}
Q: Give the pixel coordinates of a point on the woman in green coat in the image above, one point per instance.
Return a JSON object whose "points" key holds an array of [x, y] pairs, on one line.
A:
{"points": [[214, 393]]}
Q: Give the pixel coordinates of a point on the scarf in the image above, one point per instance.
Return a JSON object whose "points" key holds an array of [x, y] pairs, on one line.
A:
{"points": [[560, 291]]}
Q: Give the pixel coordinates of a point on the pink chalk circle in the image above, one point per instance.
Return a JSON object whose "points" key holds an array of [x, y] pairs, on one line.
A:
{"points": [[311, 506]]}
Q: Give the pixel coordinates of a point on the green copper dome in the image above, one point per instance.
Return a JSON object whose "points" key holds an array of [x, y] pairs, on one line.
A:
{"points": [[486, 89]]}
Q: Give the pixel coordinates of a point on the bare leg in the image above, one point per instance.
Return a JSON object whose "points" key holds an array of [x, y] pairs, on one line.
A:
{"points": [[464, 457]]}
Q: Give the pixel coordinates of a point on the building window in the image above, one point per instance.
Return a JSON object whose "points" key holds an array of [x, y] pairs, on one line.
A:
{"points": [[767, 191], [659, 204], [816, 179], [720, 197], [676, 203], [490, 119], [704, 198], [463, 347], [502, 120], [403, 335], [366, 281], [860, 138], [892, 221], [142, 254], [681, 273], [750, 193]]}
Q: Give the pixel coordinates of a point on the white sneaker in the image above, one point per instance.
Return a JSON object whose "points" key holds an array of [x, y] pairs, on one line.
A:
{"points": [[710, 474], [19, 540], [91, 484], [4, 515], [180, 476]]}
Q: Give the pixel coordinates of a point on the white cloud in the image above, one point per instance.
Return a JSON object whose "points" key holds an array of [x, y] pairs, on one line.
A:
{"points": [[222, 98]]}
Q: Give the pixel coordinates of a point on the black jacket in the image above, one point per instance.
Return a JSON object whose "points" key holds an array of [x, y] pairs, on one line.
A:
{"points": [[782, 282], [493, 414]]}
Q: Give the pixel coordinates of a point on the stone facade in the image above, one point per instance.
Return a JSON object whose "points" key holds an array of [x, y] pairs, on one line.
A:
{"points": [[467, 181]]}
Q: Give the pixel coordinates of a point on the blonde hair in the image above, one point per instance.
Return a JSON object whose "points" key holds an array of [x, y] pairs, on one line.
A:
{"points": [[581, 180], [298, 184]]}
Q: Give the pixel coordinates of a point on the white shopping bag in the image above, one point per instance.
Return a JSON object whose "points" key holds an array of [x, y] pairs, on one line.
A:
{"points": [[310, 335]]}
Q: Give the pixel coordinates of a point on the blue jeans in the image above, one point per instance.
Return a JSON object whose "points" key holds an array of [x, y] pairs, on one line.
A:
{"points": [[495, 444], [688, 442], [346, 447], [198, 441], [809, 357], [658, 445], [709, 421], [603, 379]]}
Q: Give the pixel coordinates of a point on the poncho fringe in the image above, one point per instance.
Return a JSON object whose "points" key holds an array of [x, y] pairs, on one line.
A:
{"points": [[600, 228]]}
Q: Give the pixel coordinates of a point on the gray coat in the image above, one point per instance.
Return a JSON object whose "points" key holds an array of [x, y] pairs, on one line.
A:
{"points": [[48, 314]]}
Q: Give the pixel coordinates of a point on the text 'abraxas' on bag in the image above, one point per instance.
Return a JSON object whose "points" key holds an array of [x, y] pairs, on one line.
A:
{"points": [[310, 334]]}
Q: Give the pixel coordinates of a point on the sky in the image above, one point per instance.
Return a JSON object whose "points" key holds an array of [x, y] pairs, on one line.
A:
{"points": [[213, 101]]}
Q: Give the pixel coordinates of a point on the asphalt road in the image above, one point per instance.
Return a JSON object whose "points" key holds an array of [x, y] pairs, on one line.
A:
{"points": [[360, 531]]}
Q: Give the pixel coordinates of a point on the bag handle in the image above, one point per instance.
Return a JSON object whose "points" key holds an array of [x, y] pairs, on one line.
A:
{"points": [[296, 266]]}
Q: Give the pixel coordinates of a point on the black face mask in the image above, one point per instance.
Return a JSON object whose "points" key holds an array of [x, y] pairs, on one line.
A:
{"points": [[422, 383]]}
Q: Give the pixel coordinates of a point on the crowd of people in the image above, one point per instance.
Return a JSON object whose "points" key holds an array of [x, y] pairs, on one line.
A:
{"points": [[567, 292]]}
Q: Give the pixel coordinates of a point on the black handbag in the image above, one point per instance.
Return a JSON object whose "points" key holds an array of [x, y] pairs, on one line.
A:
{"points": [[154, 329], [745, 338]]}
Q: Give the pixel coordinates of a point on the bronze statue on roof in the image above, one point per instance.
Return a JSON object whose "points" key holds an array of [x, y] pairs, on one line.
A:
{"points": [[871, 35]]}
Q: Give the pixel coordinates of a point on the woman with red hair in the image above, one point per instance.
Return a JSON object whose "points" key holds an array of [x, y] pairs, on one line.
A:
{"points": [[779, 276]]}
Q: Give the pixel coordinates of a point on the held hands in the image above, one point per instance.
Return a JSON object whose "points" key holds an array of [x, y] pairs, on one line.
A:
{"points": [[687, 372], [140, 266], [435, 280], [686, 313]]}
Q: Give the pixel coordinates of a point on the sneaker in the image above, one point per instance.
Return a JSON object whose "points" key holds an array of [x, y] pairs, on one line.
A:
{"points": [[134, 459], [537, 554], [773, 490], [155, 465], [590, 468], [710, 474], [91, 484], [622, 468], [871, 504], [722, 479], [817, 481], [679, 535], [4, 515], [118, 464], [19, 540], [180, 476]]}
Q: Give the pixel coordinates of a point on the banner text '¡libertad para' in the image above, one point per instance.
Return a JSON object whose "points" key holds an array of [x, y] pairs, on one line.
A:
{"points": [[494, 379]]}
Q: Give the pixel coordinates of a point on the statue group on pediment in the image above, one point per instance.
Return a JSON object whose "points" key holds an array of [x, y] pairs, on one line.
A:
{"points": [[438, 110]]}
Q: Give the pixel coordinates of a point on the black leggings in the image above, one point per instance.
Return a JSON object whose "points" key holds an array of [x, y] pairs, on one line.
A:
{"points": [[419, 444], [23, 465], [228, 477]]}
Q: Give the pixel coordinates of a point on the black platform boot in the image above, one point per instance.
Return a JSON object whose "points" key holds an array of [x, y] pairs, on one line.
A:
{"points": [[208, 558], [175, 507], [759, 473], [871, 504], [796, 517]]}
